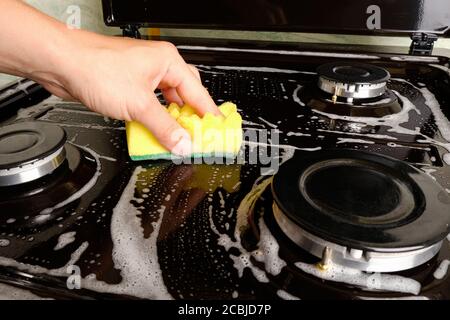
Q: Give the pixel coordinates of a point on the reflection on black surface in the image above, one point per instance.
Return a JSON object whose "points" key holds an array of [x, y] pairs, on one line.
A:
{"points": [[324, 15]]}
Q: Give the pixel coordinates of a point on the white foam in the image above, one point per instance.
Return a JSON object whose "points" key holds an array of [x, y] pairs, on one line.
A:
{"points": [[396, 298], [446, 158], [267, 251], [135, 256], [59, 272], [251, 123], [29, 113], [298, 134], [282, 52], [270, 124], [282, 146], [88, 126], [295, 96], [442, 270], [4, 242], [13, 293], [65, 239], [351, 140], [286, 295], [88, 186], [376, 102], [375, 281], [441, 121]]}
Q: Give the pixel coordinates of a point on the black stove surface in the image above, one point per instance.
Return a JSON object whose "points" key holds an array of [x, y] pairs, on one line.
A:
{"points": [[159, 230]]}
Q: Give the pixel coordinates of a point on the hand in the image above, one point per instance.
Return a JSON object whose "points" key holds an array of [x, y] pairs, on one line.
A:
{"points": [[118, 79], [113, 76]]}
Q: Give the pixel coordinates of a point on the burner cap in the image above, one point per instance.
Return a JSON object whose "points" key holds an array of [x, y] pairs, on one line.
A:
{"points": [[362, 201], [352, 80], [30, 150]]}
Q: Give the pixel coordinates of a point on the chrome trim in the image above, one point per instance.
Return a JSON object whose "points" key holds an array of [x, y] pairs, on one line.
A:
{"points": [[352, 90], [372, 260], [32, 171]]}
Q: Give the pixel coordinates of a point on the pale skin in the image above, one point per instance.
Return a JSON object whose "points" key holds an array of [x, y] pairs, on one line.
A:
{"points": [[113, 76]]}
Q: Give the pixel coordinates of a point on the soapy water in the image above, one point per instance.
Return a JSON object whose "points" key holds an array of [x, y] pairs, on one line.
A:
{"points": [[351, 140], [88, 186], [4, 242], [374, 281], [286, 295], [13, 293], [65, 239], [442, 270], [136, 256]]}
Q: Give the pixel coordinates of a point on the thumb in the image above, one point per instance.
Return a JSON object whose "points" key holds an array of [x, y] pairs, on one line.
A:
{"points": [[165, 128]]}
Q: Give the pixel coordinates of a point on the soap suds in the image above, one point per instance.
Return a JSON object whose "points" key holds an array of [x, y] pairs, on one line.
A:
{"points": [[65, 239], [374, 281], [351, 140], [134, 255], [286, 295], [4, 242], [442, 270], [12, 293]]}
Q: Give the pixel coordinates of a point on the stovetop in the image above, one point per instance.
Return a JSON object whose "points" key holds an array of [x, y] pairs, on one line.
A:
{"points": [[158, 230]]}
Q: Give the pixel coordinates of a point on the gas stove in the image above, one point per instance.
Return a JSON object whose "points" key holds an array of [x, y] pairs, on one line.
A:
{"points": [[352, 200]]}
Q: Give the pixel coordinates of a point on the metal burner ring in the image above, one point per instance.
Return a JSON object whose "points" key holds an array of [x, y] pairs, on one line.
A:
{"points": [[32, 171], [385, 260]]}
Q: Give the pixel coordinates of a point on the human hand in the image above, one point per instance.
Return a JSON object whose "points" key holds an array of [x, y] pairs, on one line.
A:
{"points": [[117, 78]]}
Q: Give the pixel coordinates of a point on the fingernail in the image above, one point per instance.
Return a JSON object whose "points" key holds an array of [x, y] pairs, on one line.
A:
{"points": [[183, 147]]}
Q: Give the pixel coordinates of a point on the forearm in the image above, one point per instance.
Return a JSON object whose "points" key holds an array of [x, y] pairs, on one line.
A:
{"points": [[35, 45]]}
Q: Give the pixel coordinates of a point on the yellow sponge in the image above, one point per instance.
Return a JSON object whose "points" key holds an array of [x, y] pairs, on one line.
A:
{"points": [[216, 136]]}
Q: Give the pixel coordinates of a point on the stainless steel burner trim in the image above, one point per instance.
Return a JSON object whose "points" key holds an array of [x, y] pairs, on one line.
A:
{"points": [[32, 171], [385, 260], [352, 90]]}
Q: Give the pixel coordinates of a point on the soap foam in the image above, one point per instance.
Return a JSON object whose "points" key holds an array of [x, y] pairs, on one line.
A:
{"points": [[88, 186], [65, 239], [351, 140], [286, 295], [442, 270], [13, 293], [375, 281], [135, 256]]}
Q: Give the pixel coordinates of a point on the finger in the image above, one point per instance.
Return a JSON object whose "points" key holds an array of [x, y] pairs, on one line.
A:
{"points": [[166, 130], [195, 71], [171, 95], [191, 90]]}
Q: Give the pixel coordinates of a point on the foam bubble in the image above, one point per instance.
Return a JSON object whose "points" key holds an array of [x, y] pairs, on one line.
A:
{"points": [[352, 140], [267, 251], [135, 256], [4, 242], [286, 295], [374, 281], [65, 239], [442, 270], [13, 293]]}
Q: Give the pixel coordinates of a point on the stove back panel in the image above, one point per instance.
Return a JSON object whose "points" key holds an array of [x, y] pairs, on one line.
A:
{"points": [[325, 16]]}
